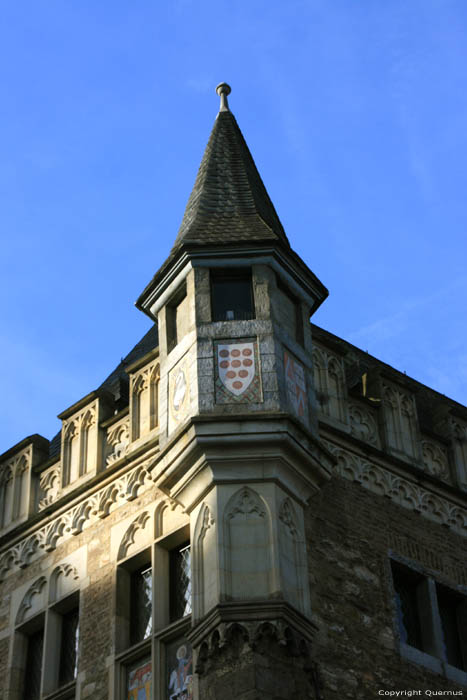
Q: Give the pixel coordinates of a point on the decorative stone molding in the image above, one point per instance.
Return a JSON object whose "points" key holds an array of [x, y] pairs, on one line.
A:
{"points": [[117, 441], [363, 424], [144, 401], [15, 487], [435, 459], [330, 388], [68, 573], [49, 485], [28, 600], [204, 560], [80, 443], [129, 538], [246, 636], [246, 502], [248, 570], [402, 491], [400, 421], [73, 521], [287, 516]]}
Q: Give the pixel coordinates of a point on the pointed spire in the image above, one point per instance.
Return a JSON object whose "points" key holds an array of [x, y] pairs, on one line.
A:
{"points": [[229, 202]]}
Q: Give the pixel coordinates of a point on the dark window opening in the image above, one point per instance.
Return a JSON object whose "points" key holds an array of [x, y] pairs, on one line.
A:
{"points": [[408, 616], [69, 647], [232, 296], [449, 611], [176, 318], [141, 604], [293, 321], [32, 682], [180, 582]]}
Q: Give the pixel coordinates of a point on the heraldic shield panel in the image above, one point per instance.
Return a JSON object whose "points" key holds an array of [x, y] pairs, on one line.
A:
{"points": [[238, 378], [296, 385]]}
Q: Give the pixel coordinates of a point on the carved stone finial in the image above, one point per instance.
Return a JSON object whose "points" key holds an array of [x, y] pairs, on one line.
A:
{"points": [[223, 90]]}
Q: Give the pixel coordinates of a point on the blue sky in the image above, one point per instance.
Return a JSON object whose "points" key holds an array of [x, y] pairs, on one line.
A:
{"points": [[355, 113]]}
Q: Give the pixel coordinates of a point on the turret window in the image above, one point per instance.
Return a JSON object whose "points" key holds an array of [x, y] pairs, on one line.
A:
{"points": [[177, 315], [232, 295]]}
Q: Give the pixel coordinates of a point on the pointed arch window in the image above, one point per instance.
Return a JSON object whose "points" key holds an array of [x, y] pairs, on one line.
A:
{"points": [[71, 455], [7, 497], [139, 387], [154, 397], [21, 488], [84, 444]]}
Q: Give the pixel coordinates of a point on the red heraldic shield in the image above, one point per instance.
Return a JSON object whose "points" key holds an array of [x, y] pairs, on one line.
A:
{"points": [[236, 363]]}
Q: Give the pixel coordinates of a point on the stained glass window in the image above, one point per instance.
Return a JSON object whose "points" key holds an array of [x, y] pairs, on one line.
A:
{"points": [[139, 680], [141, 605], [179, 670], [32, 682], [180, 582], [69, 647]]}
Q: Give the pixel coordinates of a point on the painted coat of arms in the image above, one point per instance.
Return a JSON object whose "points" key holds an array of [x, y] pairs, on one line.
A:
{"points": [[296, 385], [237, 372]]}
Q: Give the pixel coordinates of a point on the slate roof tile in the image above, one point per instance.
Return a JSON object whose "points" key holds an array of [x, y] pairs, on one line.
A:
{"points": [[229, 202]]}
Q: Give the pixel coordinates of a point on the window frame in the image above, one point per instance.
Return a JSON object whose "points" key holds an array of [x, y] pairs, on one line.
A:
{"points": [[433, 655], [50, 620], [231, 274], [164, 631]]}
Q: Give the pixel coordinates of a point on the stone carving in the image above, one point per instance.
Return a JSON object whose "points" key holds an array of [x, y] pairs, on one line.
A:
{"points": [[66, 572], [248, 571], [246, 501], [402, 491], [459, 442], [204, 562], [329, 380], [237, 371], [244, 636], [400, 421], [435, 459], [179, 393], [118, 440], [49, 486], [287, 515], [14, 487], [76, 443], [363, 424], [71, 522], [28, 599], [138, 523], [144, 400]]}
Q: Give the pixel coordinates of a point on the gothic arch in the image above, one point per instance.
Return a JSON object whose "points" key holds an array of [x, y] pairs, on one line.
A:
{"points": [[63, 580], [291, 555], [204, 553], [247, 527], [34, 599], [6, 495], [154, 397], [70, 453], [138, 388], [86, 423], [131, 535]]}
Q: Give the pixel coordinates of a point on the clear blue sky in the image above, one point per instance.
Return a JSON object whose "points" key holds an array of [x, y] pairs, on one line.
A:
{"points": [[355, 113]]}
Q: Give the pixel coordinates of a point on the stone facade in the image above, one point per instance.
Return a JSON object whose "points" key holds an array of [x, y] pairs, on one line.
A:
{"points": [[248, 507]]}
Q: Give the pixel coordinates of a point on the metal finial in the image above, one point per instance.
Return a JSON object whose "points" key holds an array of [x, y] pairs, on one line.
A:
{"points": [[223, 90]]}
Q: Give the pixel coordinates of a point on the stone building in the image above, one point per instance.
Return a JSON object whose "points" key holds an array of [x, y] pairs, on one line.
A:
{"points": [[248, 506]]}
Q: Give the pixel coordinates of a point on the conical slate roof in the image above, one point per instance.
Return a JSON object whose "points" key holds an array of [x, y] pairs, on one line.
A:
{"points": [[229, 202]]}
